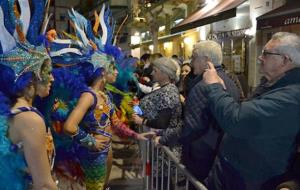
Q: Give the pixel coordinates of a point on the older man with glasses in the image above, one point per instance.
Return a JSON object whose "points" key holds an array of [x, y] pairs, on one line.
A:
{"points": [[261, 133]]}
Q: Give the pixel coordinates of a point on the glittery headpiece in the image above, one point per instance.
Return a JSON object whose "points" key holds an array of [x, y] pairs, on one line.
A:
{"points": [[24, 58], [18, 53]]}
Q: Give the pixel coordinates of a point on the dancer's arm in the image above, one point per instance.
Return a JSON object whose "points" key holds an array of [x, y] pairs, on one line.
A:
{"points": [[85, 101], [122, 130]]}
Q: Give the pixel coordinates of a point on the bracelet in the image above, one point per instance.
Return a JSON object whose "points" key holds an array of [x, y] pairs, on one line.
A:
{"points": [[88, 141], [84, 139]]}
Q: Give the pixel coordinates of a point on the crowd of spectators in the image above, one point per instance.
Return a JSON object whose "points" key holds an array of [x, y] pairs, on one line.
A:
{"points": [[227, 140]]}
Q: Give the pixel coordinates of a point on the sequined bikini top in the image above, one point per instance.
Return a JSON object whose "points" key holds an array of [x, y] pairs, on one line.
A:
{"points": [[100, 113]]}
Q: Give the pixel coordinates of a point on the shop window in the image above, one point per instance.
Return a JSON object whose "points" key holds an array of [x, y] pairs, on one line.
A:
{"points": [[234, 58]]}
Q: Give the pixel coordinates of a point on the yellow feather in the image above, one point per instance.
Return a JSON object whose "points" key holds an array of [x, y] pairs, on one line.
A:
{"points": [[70, 36], [96, 25]]}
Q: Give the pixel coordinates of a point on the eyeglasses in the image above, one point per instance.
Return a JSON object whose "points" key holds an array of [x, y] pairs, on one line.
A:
{"points": [[265, 53]]}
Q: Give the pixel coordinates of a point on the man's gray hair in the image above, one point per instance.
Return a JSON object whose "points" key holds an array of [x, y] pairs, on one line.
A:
{"points": [[289, 45], [168, 66], [210, 49]]}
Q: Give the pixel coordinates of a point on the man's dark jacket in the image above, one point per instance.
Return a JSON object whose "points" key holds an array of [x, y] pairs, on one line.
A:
{"points": [[201, 134], [261, 133]]}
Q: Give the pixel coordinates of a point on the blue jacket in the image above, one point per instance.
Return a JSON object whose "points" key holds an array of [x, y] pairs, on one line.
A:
{"points": [[261, 133]]}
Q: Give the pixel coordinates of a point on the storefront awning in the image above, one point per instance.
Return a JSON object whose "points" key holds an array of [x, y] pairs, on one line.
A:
{"points": [[287, 14], [212, 12]]}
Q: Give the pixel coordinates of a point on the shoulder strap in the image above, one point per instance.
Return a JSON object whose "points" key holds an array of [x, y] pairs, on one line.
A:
{"points": [[25, 109], [16, 111]]}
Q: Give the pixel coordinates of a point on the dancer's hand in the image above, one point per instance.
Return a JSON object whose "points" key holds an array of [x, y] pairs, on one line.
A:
{"points": [[102, 142], [182, 98], [137, 119], [141, 137], [156, 141], [147, 135]]}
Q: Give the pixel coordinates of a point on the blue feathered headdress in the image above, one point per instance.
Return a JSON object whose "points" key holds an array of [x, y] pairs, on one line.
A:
{"points": [[20, 49], [89, 46]]}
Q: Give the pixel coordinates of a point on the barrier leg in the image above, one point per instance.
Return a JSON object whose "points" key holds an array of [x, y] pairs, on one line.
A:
{"points": [[157, 169], [148, 166], [169, 173]]}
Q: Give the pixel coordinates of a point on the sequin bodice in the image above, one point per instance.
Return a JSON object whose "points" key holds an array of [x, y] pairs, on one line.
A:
{"points": [[99, 116]]}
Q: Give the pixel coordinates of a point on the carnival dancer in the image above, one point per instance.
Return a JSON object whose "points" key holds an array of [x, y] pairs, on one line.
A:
{"points": [[26, 150], [93, 118]]}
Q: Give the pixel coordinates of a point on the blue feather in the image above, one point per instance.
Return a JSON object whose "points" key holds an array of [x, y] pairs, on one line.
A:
{"points": [[36, 22], [99, 44], [126, 68], [114, 51], [107, 17], [9, 16], [89, 31], [83, 24]]}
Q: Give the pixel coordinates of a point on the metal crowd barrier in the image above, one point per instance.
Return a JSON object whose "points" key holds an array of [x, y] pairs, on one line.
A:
{"points": [[159, 159]]}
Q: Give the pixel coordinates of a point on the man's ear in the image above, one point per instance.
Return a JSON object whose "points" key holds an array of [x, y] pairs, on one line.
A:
{"points": [[287, 58], [207, 58], [287, 62]]}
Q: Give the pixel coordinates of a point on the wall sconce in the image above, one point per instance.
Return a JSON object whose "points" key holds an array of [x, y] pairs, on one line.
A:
{"points": [[187, 40], [135, 40], [151, 47], [167, 45]]}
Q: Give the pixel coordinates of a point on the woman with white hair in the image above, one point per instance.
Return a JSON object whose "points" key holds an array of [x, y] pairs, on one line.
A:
{"points": [[162, 108]]}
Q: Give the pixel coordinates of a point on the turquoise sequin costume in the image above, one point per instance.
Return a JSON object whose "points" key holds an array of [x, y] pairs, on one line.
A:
{"points": [[18, 58]]}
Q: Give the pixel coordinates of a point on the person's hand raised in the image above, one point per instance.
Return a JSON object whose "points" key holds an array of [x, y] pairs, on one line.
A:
{"points": [[210, 75], [156, 141]]}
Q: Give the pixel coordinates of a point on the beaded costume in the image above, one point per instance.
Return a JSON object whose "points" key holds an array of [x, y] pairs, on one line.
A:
{"points": [[88, 165], [100, 120]]}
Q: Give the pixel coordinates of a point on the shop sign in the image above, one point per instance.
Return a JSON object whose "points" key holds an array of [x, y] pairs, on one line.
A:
{"points": [[228, 34], [273, 22], [292, 20]]}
